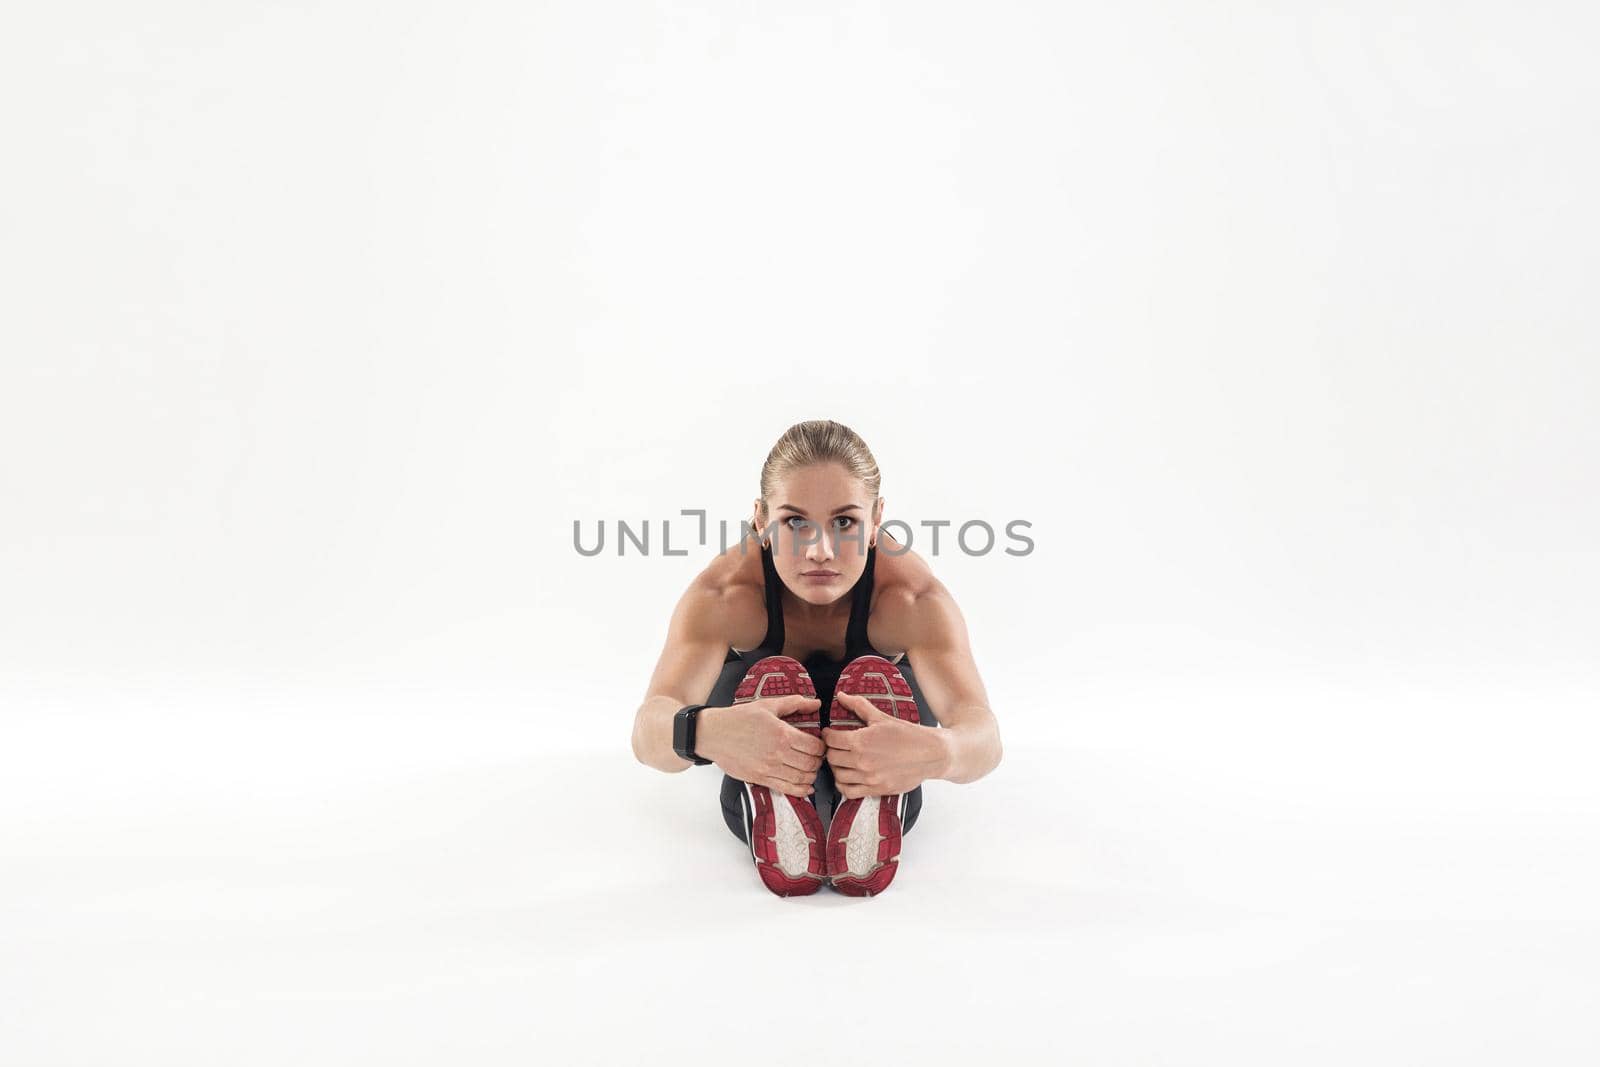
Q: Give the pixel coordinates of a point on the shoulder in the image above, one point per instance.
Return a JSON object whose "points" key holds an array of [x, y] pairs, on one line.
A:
{"points": [[726, 601], [911, 607]]}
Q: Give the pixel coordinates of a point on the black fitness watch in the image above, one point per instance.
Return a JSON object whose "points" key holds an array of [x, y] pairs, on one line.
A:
{"points": [[683, 730]]}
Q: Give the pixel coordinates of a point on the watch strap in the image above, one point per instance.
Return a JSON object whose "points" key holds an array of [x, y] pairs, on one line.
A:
{"points": [[685, 727]]}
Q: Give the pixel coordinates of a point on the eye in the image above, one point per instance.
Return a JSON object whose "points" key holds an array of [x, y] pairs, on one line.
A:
{"points": [[844, 522], [795, 522]]}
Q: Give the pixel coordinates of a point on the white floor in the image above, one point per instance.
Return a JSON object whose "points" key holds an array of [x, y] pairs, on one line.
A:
{"points": [[1196, 876]]}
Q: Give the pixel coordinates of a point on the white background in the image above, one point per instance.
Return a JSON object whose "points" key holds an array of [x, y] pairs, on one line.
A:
{"points": [[322, 324]]}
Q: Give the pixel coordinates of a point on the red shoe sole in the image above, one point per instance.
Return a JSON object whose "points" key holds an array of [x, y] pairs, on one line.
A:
{"points": [[786, 834], [865, 832]]}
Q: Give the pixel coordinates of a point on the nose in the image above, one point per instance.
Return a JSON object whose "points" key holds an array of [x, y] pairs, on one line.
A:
{"points": [[820, 550]]}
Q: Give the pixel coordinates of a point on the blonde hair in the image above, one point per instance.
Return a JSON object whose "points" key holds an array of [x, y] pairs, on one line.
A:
{"points": [[818, 441]]}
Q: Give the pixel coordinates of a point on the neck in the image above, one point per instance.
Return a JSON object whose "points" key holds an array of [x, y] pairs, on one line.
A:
{"points": [[805, 611]]}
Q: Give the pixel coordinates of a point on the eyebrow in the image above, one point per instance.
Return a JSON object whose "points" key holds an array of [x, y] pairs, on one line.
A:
{"points": [[836, 511]]}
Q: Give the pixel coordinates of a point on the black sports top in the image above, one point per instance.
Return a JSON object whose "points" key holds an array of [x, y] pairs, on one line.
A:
{"points": [[823, 668], [855, 633]]}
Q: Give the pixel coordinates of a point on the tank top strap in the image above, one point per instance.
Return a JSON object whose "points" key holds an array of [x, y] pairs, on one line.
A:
{"points": [[855, 634], [772, 643]]}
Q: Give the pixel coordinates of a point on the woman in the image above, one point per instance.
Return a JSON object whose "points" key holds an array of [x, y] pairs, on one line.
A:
{"points": [[788, 664]]}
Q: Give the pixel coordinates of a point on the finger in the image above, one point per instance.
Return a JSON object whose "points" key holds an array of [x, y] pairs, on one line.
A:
{"points": [[806, 741], [802, 762], [788, 788], [836, 738], [863, 707], [781, 706], [842, 757], [787, 779], [793, 775]]}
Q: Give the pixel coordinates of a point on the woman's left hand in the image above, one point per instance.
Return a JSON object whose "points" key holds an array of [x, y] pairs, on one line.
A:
{"points": [[887, 756]]}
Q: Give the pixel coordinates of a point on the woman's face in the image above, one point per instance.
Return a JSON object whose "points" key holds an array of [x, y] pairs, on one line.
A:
{"points": [[822, 522]]}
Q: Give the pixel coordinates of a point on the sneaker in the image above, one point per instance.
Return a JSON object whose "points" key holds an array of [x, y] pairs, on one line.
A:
{"points": [[785, 833], [864, 833]]}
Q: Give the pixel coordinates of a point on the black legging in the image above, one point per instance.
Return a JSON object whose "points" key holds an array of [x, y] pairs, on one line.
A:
{"points": [[825, 675]]}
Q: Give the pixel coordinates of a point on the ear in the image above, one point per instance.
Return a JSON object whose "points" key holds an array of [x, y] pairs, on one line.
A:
{"points": [[877, 519], [756, 521]]}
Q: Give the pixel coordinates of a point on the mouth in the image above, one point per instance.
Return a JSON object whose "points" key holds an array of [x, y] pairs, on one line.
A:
{"points": [[819, 574]]}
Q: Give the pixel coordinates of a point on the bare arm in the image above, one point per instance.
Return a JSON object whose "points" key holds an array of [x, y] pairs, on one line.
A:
{"points": [[942, 657], [751, 741], [684, 674]]}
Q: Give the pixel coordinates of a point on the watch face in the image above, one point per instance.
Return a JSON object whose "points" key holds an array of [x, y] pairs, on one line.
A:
{"points": [[680, 734]]}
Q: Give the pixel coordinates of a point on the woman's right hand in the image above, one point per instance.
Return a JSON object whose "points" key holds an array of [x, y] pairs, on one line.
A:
{"points": [[751, 742]]}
